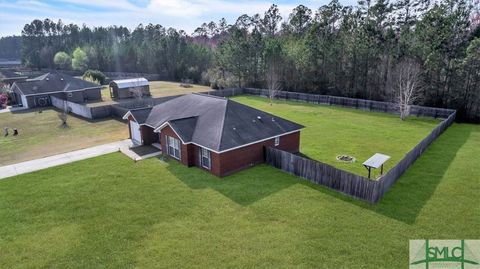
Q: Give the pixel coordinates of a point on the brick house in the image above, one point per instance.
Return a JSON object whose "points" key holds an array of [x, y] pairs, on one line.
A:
{"points": [[213, 133]]}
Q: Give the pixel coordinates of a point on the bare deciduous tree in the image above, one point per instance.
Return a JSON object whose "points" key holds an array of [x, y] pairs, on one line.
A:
{"points": [[63, 115], [406, 84], [273, 82]]}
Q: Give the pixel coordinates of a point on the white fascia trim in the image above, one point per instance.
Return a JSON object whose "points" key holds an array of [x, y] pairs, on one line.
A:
{"points": [[258, 141], [14, 85], [125, 117], [145, 124], [80, 90], [168, 123], [226, 150]]}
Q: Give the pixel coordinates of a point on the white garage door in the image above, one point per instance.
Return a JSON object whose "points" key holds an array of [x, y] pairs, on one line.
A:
{"points": [[135, 132]]}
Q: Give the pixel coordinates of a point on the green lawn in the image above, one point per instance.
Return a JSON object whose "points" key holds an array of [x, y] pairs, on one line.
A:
{"points": [[41, 134], [331, 131], [110, 212]]}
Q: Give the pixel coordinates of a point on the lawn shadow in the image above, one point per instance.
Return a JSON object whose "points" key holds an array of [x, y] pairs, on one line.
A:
{"points": [[407, 197], [244, 187]]}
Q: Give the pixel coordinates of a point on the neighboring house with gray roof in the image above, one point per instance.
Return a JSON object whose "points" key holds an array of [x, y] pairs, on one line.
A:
{"points": [[211, 132], [36, 92]]}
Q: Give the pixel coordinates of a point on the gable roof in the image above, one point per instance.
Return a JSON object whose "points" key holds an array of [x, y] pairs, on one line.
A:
{"points": [[217, 123], [53, 82], [129, 83], [185, 127], [140, 114]]}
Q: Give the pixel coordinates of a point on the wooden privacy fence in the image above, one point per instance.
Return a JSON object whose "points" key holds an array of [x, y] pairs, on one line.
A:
{"points": [[82, 109], [77, 109], [362, 104], [324, 174], [393, 174], [346, 182], [118, 110]]}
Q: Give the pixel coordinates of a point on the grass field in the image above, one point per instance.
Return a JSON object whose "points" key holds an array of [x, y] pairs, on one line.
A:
{"points": [[157, 89], [41, 134], [331, 131], [110, 212]]}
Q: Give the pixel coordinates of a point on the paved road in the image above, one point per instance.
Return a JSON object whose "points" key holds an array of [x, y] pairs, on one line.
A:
{"points": [[73, 156]]}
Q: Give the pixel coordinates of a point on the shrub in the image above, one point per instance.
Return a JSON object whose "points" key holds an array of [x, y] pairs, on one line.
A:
{"points": [[95, 76], [3, 100]]}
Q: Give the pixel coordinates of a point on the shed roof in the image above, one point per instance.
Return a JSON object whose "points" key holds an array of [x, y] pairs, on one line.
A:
{"points": [[53, 82], [376, 160], [217, 123], [130, 83]]}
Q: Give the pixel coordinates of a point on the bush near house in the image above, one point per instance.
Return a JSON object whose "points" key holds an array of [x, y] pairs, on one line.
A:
{"points": [[95, 76], [3, 100]]}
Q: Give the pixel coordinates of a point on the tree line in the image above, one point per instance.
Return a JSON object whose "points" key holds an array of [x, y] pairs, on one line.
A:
{"points": [[352, 51], [10, 47]]}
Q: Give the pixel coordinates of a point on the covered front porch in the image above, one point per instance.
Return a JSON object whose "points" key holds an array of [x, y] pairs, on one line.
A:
{"points": [[138, 153]]}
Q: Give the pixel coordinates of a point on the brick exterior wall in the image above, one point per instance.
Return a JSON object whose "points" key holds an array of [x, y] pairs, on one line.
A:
{"points": [[148, 135], [185, 157], [241, 158], [226, 163]]}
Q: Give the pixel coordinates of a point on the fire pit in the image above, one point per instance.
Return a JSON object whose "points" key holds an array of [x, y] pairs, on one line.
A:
{"points": [[345, 158]]}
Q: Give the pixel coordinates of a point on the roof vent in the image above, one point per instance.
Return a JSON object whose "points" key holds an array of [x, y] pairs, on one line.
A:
{"points": [[258, 117], [61, 79], [273, 119], [234, 128], [47, 79]]}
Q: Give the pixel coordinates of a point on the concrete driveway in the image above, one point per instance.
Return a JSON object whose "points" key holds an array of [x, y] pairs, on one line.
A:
{"points": [[64, 158]]}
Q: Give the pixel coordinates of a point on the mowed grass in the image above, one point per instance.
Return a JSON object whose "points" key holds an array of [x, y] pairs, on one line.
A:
{"points": [[157, 89], [41, 134], [110, 212], [331, 131]]}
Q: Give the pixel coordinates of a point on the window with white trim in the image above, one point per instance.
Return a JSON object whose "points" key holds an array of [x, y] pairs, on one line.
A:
{"points": [[277, 141], [173, 147], [206, 158]]}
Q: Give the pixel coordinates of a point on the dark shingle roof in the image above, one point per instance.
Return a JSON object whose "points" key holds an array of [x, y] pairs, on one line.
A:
{"points": [[53, 82], [141, 114], [217, 123], [185, 127]]}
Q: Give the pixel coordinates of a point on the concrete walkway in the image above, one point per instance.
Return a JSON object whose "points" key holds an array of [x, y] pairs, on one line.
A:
{"points": [[64, 158]]}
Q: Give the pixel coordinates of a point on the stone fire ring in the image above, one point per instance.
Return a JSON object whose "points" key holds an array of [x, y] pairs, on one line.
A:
{"points": [[346, 158]]}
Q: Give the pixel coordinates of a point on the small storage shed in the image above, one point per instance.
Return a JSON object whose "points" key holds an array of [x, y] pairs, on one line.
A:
{"points": [[127, 88]]}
